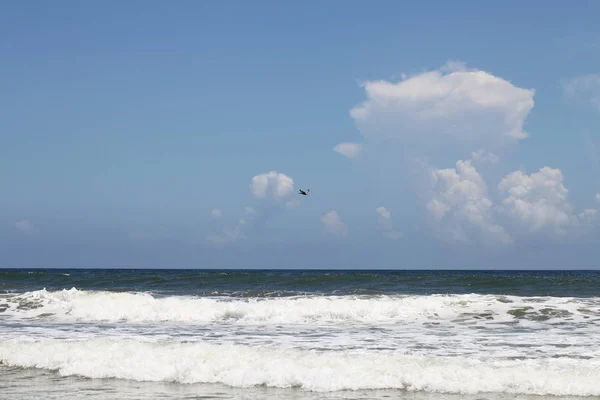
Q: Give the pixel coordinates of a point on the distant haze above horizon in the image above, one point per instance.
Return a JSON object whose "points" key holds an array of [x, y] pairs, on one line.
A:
{"points": [[155, 135]]}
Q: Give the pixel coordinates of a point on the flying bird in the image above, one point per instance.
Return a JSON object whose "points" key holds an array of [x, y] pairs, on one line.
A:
{"points": [[303, 193]]}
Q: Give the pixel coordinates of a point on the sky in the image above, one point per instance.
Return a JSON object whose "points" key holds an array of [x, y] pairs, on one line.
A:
{"points": [[151, 134]]}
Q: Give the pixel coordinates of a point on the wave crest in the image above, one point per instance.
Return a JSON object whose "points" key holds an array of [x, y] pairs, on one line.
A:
{"points": [[75, 305], [244, 366]]}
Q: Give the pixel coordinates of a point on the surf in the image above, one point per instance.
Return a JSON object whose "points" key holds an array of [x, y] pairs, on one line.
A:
{"points": [[79, 305], [320, 371]]}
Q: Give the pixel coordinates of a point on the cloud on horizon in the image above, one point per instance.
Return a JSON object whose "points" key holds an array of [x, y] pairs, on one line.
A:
{"points": [[430, 118], [462, 208], [539, 202], [451, 125]]}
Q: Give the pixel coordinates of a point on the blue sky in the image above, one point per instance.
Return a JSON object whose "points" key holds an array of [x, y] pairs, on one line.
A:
{"points": [[124, 125]]}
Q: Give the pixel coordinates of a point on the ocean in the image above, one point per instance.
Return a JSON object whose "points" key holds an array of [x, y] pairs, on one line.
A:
{"points": [[310, 334]]}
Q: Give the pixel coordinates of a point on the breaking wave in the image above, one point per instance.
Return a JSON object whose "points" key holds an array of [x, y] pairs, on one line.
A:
{"points": [[244, 366], [75, 305]]}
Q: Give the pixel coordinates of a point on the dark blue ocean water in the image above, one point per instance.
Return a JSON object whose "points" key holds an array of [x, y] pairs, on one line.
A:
{"points": [[278, 283]]}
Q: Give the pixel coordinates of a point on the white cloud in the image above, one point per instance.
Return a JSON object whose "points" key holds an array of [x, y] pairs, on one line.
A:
{"points": [[455, 113], [333, 224], [274, 191], [452, 104], [438, 117], [272, 185], [231, 235], [587, 86], [588, 216], [350, 150], [483, 156], [385, 217], [216, 213], [461, 205], [538, 202], [24, 226], [249, 213], [385, 223], [534, 204]]}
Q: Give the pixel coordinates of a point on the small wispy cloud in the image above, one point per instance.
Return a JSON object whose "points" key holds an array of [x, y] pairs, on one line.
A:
{"points": [[216, 213], [385, 217], [25, 226], [333, 224], [231, 235], [482, 155], [350, 150], [586, 86], [385, 223]]}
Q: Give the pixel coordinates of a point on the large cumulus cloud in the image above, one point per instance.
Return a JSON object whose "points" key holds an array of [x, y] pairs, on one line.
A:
{"points": [[432, 119], [453, 105]]}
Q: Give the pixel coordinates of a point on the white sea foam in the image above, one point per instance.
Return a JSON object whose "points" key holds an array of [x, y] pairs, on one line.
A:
{"points": [[75, 305], [243, 366], [451, 344]]}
